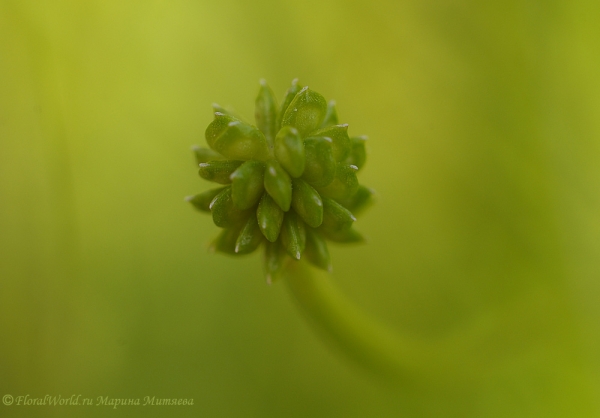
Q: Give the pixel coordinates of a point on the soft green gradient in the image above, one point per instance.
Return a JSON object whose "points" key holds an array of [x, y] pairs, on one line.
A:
{"points": [[485, 151]]}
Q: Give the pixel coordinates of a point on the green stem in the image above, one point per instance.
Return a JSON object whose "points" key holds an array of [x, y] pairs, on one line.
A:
{"points": [[361, 337]]}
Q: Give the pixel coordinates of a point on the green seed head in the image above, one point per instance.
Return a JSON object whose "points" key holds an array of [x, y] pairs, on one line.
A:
{"points": [[290, 182]]}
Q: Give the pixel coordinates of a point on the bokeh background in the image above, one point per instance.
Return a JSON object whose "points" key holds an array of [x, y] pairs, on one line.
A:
{"points": [[484, 129]]}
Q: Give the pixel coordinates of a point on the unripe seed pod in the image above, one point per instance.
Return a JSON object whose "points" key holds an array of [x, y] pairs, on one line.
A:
{"points": [[289, 151], [344, 185], [293, 235], [247, 184], [217, 108], [340, 144], [289, 96], [306, 112], [335, 216], [250, 237], [358, 152], [307, 203], [344, 236], [331, 117], [204, 155], [291, 180], [320, 164], [240, 141], [218, 171], [265, 112], [362, 199], [225, 242], [217, 127], [224, 212], [316, 250], [203, 200], [270, 217], [278, 184]]}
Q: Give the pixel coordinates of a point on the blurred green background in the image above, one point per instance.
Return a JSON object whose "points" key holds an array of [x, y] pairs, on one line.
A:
{"points": [[484, 129]]}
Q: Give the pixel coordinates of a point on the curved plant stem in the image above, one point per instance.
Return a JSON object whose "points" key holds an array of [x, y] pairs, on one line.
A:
{"points": [[358, 335]]}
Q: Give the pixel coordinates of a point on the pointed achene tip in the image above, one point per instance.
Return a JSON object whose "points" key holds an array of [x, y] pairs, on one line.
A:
{"points": [[211, 204], [362, 137], [295, 81], [353, 167], [188, 198], [195, 147], [297, 255], [262, 82]]}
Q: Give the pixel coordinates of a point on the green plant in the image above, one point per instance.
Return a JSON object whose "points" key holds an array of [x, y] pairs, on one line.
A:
{"points": [[288, 184]]}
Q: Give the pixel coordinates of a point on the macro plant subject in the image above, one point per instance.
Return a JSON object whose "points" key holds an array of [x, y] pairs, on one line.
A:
{"points": [[287, 185]]}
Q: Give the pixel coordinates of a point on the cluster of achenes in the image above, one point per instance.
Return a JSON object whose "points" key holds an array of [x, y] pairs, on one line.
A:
{"points": [[289, 182]]}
